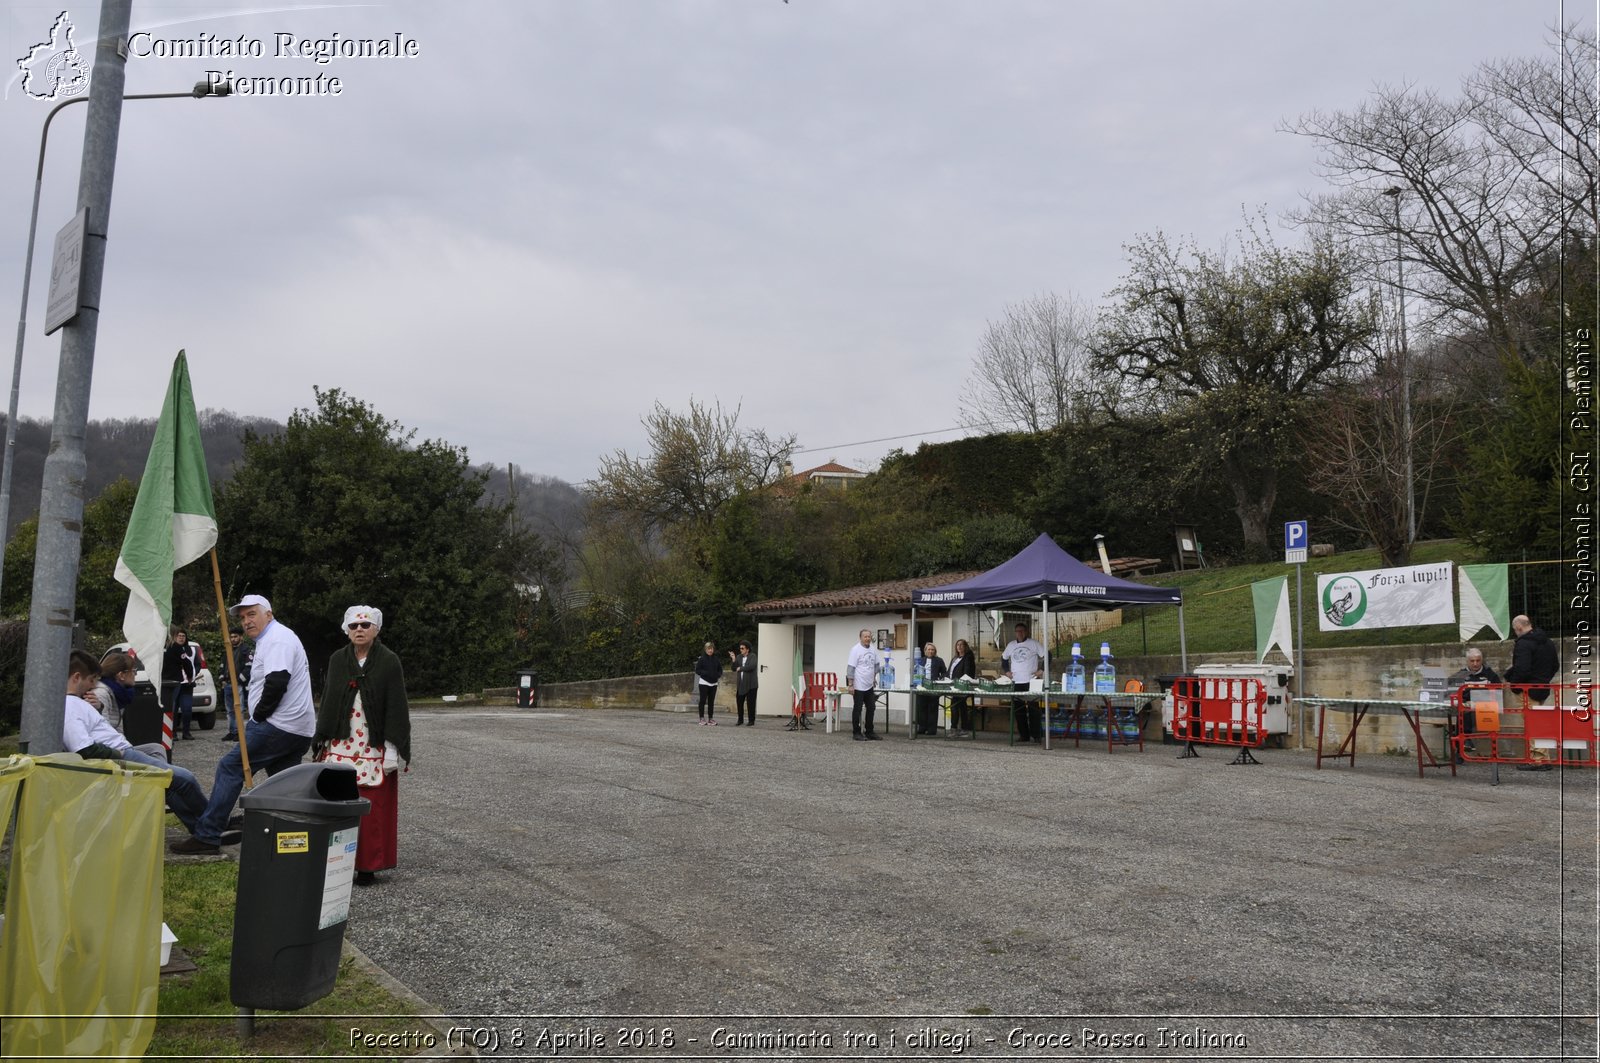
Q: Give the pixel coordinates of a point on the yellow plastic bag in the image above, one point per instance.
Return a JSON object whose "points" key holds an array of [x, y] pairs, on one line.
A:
{"points": [[81, 944]]}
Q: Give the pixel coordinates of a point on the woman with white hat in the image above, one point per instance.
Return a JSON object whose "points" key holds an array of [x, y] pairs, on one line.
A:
{"points": [[364, 720]]}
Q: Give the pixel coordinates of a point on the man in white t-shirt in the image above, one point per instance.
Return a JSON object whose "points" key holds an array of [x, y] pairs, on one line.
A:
{"points": [[85, 732], [282, 719], [861, 675], [1024, 658]]}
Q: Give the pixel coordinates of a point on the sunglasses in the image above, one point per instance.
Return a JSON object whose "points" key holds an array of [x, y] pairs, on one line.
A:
{"points": [[362, 624]]}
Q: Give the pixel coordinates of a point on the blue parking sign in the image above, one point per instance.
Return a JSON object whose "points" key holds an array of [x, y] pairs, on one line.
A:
{"points": [[1296, 537]]}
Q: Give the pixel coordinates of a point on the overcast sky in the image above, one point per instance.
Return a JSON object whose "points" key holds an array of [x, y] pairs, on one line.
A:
{"points": [[561, 211]]}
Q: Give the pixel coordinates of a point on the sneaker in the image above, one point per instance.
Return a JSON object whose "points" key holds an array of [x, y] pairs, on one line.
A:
{"points": [[711, 723], [857, 736], [873, 736], [740, 722], [195, 847]]}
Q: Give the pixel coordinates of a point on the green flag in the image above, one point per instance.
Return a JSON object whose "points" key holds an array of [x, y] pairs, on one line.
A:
{"points": [[799, 670], [1485, 600], [173, 522], [1272, 616]]}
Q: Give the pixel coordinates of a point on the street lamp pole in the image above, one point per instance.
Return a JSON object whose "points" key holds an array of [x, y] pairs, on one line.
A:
{"points": [[1405, 370], [201, 89]]}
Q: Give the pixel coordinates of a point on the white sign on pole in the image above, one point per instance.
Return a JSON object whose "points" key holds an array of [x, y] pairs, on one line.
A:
{"points": [[66, 273], [1296, 539], [1387, 597]]}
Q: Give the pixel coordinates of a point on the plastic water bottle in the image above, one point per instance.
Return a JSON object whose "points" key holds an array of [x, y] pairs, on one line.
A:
{"points": [[888, 673], [1072, 682], [917, 672], [1105, 674]]}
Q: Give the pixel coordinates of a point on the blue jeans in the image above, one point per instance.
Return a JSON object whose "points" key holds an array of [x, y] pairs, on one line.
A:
{"points": [[184, 797], [178, 699], [227, 708], [270, 750]]}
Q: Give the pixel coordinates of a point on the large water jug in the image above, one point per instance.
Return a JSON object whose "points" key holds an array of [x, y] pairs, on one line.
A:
{"points": [[1072, 682], [1105, 673]]}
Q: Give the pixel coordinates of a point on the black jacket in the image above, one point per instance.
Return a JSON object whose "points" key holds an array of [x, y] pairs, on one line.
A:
{"points": [[708, 668], [1534, 661]]}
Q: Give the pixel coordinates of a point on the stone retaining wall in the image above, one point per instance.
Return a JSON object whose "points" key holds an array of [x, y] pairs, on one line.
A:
{"points": [[626, 692]]}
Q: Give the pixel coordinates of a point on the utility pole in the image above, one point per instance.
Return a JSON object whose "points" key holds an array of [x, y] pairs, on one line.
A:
{"points": [[55, 573]]}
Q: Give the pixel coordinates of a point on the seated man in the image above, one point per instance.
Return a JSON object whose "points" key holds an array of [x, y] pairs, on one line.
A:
{"points": [[1474, 672], [85, 732]]}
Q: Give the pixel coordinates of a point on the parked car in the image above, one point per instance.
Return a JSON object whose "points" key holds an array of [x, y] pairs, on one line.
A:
{"points": [[206, 702]]}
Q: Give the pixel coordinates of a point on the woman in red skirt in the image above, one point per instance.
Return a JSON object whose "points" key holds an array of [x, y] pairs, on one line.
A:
{"points": [[364, 721]]}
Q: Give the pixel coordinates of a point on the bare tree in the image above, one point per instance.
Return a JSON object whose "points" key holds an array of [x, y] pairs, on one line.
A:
{"points": [[1479, 191], [1032, 370], [697, 461], [1356, 446]]}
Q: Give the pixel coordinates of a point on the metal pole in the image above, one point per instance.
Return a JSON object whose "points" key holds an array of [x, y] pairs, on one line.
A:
{"points": [[200, 90], [1405, 370], [1300, 647], [55, 570], [1183, 642]]}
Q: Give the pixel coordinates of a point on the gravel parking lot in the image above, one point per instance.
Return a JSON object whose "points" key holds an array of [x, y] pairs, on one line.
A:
{"points": [[759, 892]]}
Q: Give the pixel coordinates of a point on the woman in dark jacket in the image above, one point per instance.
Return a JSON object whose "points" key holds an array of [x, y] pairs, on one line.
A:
{"points": [[933, 671], [707, 674], [365, 721], [745, 681], [963, 665]]}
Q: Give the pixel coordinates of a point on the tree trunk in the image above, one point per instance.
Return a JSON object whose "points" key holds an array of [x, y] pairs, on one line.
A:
{"points": [[1253, 498]]}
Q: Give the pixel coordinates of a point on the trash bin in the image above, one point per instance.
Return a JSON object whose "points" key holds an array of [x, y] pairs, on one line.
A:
{"points": [[527, 688], [297, 863]]}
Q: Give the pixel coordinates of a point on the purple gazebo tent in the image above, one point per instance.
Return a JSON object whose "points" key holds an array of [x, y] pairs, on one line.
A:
{"points": [[1043, 572]]}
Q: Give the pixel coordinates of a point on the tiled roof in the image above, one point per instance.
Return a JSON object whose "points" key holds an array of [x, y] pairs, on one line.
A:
{"points": [[831, 467], [892, 594]]}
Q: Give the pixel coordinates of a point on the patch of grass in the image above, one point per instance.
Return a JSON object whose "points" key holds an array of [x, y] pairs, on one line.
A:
{"points": [[199, 900], [1219, 614]]}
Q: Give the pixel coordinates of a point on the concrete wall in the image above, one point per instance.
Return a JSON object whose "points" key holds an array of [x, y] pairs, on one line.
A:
{"points": [[1392, 672], [627, 692]]}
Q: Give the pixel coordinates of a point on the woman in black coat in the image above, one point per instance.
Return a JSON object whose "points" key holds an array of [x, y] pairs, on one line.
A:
{"points": [[963, 665], [707, 674]]}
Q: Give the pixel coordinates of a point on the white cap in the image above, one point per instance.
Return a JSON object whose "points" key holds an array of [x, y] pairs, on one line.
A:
{"points": [[251, 599]]}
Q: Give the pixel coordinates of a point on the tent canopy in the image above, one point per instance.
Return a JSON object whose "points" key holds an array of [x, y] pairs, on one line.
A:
{"points": [[1045, 571]]}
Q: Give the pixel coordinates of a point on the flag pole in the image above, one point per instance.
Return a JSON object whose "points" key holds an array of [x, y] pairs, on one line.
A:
{"points": [[233, 672]]}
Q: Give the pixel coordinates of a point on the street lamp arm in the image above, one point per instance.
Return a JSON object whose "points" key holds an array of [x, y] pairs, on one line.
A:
{"points": [[200, 90]]}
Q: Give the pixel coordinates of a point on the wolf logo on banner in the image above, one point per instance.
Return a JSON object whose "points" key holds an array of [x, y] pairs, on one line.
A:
{"points": [[1387, 597]]}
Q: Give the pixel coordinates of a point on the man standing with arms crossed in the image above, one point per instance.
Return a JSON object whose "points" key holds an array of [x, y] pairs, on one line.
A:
{"points": [[1025, 656], [862, 673], [282, 718]]}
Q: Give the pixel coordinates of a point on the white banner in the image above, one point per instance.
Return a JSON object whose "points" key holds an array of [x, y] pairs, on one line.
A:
{"points": [[1387, 597]]}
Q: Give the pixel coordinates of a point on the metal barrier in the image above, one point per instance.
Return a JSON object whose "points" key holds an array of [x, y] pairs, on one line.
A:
{"points": [[1219, 711], [1504, 723], [813, 699]]}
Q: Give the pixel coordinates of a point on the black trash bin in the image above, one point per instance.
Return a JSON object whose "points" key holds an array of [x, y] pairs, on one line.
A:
{"points": [[527, 688], [297, 863]]}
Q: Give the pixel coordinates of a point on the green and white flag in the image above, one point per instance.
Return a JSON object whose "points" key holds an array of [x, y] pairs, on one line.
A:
{"points": [[173, 522], [1485, 600], [1272, 616], [799, 685]]}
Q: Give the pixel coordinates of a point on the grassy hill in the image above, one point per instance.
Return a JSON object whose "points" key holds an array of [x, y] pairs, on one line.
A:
{"points": [[1219, 614]]}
